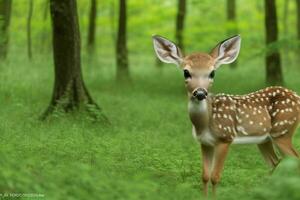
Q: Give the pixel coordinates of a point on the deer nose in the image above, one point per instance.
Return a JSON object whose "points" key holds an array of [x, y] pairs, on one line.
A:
{"points": [[200, 93]]}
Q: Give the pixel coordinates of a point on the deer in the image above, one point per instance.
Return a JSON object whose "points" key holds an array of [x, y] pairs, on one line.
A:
{"points": [[267, 117]]}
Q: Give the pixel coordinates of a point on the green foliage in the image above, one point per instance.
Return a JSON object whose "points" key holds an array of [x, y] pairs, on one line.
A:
{"points": [[284, 183], [148, 151]]}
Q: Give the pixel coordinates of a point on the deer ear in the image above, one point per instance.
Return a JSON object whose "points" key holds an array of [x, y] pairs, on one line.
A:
{"points": [[167, 51], [227, 51]]}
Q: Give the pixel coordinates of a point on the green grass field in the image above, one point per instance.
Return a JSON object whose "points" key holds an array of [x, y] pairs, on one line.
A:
{"points": [[147, 153]]}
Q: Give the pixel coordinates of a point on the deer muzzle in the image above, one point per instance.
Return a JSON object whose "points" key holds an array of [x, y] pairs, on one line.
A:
{"points": [[200, 94]]}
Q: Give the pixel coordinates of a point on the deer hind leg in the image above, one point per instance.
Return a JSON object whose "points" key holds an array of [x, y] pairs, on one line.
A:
{"points": [[220, 154], [268, 152], [207, 159], [285, 145]]}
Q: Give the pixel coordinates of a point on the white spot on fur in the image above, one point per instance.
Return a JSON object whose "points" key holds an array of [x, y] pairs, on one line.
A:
{"points": [[242, 130]]}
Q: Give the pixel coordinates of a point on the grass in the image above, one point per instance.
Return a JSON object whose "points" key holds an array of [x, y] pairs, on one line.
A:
{"points": [[148, 152]]}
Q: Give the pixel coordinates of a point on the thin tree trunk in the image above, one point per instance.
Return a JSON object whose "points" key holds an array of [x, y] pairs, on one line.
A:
{"points": [[232, 28], [231, 10], [181, 12], [5, 13], [121, 49], [29, 43], [273, 61], [92, 26], [70, 92]]}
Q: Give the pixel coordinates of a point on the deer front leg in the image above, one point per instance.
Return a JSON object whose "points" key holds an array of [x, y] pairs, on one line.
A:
{"points": [[207, 157], [221, 150]]}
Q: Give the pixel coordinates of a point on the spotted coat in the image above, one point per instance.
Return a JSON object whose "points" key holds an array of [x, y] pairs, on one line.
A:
{"points": [[273, 110]]}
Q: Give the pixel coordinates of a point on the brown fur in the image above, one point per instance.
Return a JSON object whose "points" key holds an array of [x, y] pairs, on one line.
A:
{"points": [[199, 60], [224, 119]]}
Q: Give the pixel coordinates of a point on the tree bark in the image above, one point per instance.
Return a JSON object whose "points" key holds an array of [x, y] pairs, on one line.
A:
{"points": [[231, 10], [70, 92], [121, 49], [273, 61], [92, 26], [29, 43], [181, 12], [5, 13], [232, 28]]}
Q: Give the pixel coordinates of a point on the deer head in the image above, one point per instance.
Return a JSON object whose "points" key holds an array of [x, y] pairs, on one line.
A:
{"points": [[198, 68]]}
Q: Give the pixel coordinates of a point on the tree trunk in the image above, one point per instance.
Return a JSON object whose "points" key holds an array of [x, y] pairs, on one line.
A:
{"points": [[5, 12], [121, 49], [273, 61], [29, 43], [70, 92], [46, 10], [232, 28], [181, 11], [92, 26], [231, 10]]}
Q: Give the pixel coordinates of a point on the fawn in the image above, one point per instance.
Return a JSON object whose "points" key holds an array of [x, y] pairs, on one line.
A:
{"points": [[265, 117]]}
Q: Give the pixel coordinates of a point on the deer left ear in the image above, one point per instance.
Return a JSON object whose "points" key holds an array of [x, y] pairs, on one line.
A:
{"points": [[166, 50], [227, 51]]}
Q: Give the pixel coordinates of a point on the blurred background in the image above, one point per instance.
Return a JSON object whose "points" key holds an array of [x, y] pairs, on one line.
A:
{"points": [[135, 140]]}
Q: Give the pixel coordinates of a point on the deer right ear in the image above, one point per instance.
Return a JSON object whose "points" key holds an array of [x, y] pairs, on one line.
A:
{"points": [[227, 51], [167, 51]]}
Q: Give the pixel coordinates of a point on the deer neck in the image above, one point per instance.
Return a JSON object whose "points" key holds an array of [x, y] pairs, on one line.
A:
{"points": [[199, 113]]}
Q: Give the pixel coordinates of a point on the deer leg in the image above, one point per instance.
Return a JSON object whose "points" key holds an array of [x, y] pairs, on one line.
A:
{"points": [[220, 154], [267, 150], [207, 158], [285, 145]]}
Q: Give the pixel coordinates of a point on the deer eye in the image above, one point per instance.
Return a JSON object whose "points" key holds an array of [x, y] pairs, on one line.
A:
{"points": [[212, 74], [186, 74]]}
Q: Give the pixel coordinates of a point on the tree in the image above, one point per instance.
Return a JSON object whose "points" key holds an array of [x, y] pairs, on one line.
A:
{"points": [[70, 92], [46, 10], [5, 12], [92, 26], [121, 47], [232, 27], [181, 12], [29, 43], [273, 61]]}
